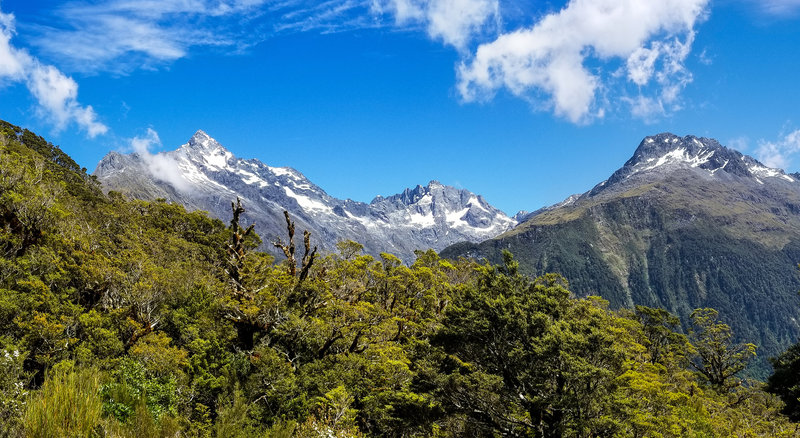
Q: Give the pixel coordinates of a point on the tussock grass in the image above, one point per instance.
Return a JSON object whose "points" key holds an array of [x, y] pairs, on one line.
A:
{"points": [[68, 405]]}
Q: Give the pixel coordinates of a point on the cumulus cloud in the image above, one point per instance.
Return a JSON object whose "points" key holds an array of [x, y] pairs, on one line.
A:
{"points": [[779, 153], [56, 94], [160, 165], [549, 60]]}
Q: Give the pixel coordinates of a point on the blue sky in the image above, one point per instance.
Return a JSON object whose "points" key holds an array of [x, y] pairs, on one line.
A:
{"points": [[524, 102]]}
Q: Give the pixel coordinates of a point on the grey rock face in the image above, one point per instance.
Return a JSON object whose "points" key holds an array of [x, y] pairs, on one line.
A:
{"points": [[203, 175], [666, 153]]}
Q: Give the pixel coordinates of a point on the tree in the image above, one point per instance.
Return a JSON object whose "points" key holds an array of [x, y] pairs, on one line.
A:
{"points": [[785, 381], [244, 309], [237, 250], [289, 250], [718, 357], [523, 358], [659, 329]]}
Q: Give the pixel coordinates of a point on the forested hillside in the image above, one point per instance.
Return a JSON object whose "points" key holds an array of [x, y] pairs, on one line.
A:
{"points": [[685, 223], [127, 318]]}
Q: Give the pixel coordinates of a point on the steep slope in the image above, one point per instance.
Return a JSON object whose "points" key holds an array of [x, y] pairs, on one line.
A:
{"points": [[203, 175], [685, 223]]}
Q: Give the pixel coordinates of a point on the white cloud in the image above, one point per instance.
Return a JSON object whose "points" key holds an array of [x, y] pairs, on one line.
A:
{"points": [[652, 38], [109, 37], [580, 62], [122, 35], [454, 22], [55, 93], [779, 7], [326, 17], [781, 152], [403, 10], [740, 144], [160, 165], [646, 108], [11, 60], [641, 64]]}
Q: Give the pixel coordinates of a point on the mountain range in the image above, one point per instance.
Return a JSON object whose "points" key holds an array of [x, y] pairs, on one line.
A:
{"points": [[685, 223], [203, 175]]}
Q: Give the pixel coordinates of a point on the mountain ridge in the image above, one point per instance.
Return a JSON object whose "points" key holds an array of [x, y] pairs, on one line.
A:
{"points": [[685, 223], [203, 175]]}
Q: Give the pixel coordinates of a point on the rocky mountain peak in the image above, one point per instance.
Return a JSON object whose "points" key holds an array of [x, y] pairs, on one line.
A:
{"points": [[205, 150], [202, 143], [202, 174], [659, 145], [667, 152], [669, 149], [200, 137], [411, 196], [113, 161]]}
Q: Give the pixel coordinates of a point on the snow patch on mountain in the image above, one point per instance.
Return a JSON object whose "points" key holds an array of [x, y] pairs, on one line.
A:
{"points": [[680, 155], [668, 153], [663, 154], [432, 216], [423, 220], [307, 203], [767, 172]]}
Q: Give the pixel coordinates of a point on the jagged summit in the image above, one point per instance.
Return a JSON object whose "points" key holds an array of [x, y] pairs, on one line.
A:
{"points": [[705, 153], [201, 138], [202, 144], [667, 152], [411, 196], [438, 203], [671, 159], [202, 174], [655, 146], [200, 135]]}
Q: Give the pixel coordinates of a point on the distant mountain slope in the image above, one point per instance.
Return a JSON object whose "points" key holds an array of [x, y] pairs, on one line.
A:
{"points": [[685, 223], [203, 175]]}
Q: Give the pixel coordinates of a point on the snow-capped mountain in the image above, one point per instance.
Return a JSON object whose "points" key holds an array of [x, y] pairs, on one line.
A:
{"points": [[203, 175], [665, 153], [685, 223]]}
